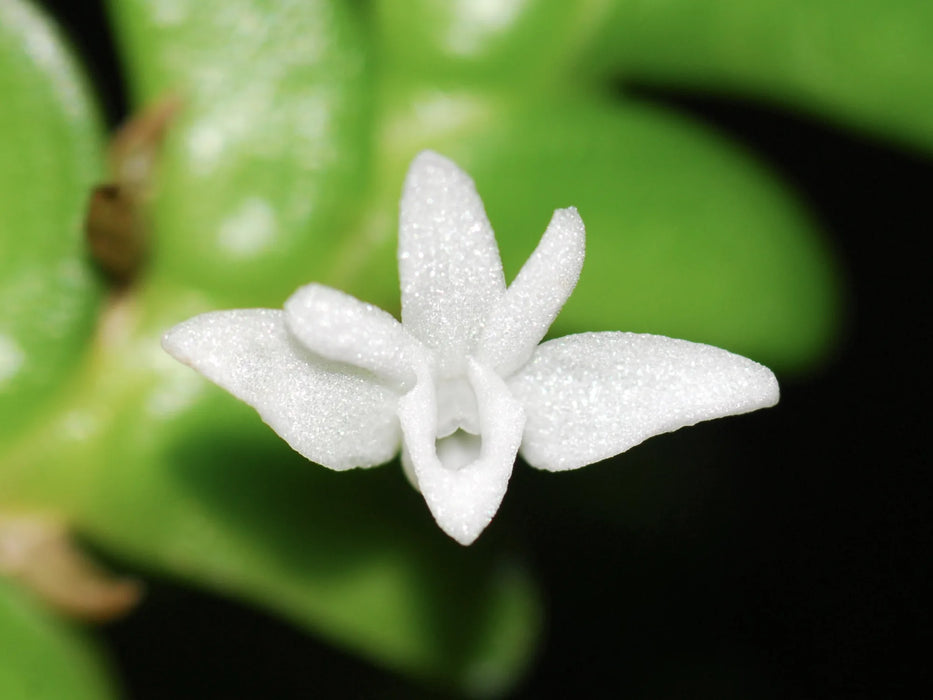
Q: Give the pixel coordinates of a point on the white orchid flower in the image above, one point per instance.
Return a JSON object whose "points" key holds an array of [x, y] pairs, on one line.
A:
{"points": [[462, 383]]}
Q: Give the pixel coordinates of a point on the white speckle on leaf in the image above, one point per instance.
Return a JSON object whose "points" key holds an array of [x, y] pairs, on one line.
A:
{"points": [[168, 13], [250, 229], [205, 145], [478, 23], [11, 359], [79, 425]]}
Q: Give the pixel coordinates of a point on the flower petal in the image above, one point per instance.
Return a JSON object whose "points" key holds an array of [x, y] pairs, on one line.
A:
{"points": [[531, 303], [593, 395], [449, 264], [463, 498], [333, 414], [340, 327]]}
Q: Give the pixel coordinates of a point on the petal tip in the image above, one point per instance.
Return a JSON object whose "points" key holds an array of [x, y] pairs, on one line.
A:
{"points": [[569, 216], [757, 383], [567, 224], [303, 303], [464, 530], [462, 503], [771, 390], [431, 166], [465, 540], [176, 340], [427, 158]]}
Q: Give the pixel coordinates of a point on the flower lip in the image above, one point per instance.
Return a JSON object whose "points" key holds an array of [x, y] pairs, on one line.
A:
{"points": [[463, 500], [462, 383], [458, 449], [456, 407]]}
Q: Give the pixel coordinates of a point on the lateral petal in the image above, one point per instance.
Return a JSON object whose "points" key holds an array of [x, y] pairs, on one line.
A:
{"points": [[342, 328], [462, 494], [449, 265], [519, 321], [593, 395], [333, 414]]}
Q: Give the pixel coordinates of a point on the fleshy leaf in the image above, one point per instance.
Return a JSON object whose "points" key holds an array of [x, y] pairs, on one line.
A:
{"points": [[50, 158], [518, 45], [867, 64], [687, 236], [591, 396], [265, 160], [168, 471], [43, 657]]}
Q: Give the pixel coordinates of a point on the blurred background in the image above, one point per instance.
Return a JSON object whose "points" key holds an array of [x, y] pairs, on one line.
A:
{"points": [[778, 554]]}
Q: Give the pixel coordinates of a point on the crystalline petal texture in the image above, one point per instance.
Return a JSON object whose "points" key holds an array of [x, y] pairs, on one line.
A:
{"points": [[593, 395], [331, 413], [462, 383], [449, 266]]}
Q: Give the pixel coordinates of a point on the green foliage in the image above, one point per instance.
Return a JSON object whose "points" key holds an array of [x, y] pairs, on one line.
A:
{"points": [[50, 155], [864, 64], [283, 166], [264, 165], [176, 477], [686, 235], [43, 658], [518, 47]]}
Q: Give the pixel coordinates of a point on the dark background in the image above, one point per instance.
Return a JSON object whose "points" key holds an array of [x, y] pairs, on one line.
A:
{"points": [[779, 554]]}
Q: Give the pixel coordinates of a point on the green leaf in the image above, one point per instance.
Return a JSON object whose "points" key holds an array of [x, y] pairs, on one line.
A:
{"points": [[866, 64], [43, 657], [50, 157], [261, 173], [519, 47], [268, 154], [162, 468], [687, 235]]}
